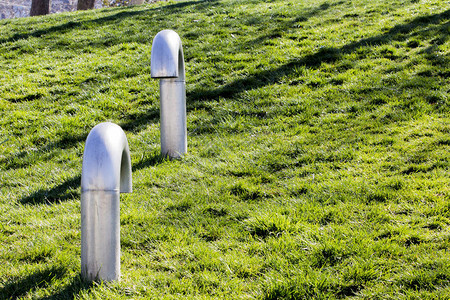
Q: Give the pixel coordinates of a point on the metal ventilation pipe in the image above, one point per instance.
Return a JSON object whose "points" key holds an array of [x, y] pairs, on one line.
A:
{"points": [[106, 172], [167, 63]]}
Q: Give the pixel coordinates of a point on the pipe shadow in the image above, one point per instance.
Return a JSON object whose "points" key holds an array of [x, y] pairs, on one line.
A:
{"points": [[137, 121], [324, 55], [67, 190], [25, 158], [18, 288], [70, 188], [132, 122], [152, 160], [76, 286]]}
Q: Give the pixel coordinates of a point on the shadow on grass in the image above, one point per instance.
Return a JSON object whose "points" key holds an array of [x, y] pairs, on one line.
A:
{"points": [[125, 12], [284, 26], [67, 190], [70, 188], [21, 287], [152, 160], [417, 28], [26, 158], [133, 122], [137, 121], [76, 286]]}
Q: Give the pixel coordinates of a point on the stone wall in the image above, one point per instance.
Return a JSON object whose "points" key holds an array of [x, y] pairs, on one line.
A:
{"points": [[14, 9], [21, 8]]}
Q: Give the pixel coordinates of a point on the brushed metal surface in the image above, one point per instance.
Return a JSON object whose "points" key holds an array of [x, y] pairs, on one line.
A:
{"points": [[106, 172], [167, 64]]}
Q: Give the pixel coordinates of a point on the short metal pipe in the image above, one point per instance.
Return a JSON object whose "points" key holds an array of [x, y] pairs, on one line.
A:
{"points": [[106, 172], [167, 63]]}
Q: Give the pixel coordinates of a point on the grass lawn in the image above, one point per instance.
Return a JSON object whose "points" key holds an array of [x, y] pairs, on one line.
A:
{"points": [[318, 150]]}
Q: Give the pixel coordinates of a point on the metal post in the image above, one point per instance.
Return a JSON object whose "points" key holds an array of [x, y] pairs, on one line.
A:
{"points": [[106, 173], [167, 63]]}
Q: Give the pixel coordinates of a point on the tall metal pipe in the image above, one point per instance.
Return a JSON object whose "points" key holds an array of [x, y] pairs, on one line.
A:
{"points": [[106, 172], [167, 63]]}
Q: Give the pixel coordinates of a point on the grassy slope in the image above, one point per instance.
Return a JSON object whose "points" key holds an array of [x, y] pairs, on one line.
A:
{"points": [[318, 150]]}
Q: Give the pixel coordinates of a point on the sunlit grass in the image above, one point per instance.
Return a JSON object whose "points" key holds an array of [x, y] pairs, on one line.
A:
{"points": [[318, 150]]}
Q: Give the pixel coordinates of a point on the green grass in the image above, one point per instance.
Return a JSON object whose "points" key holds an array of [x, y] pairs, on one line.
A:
{"points": [[319, 150]]}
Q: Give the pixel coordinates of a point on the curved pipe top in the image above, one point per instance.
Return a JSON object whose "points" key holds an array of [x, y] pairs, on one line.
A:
{"points": [[167, 59], [106, 160]]}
